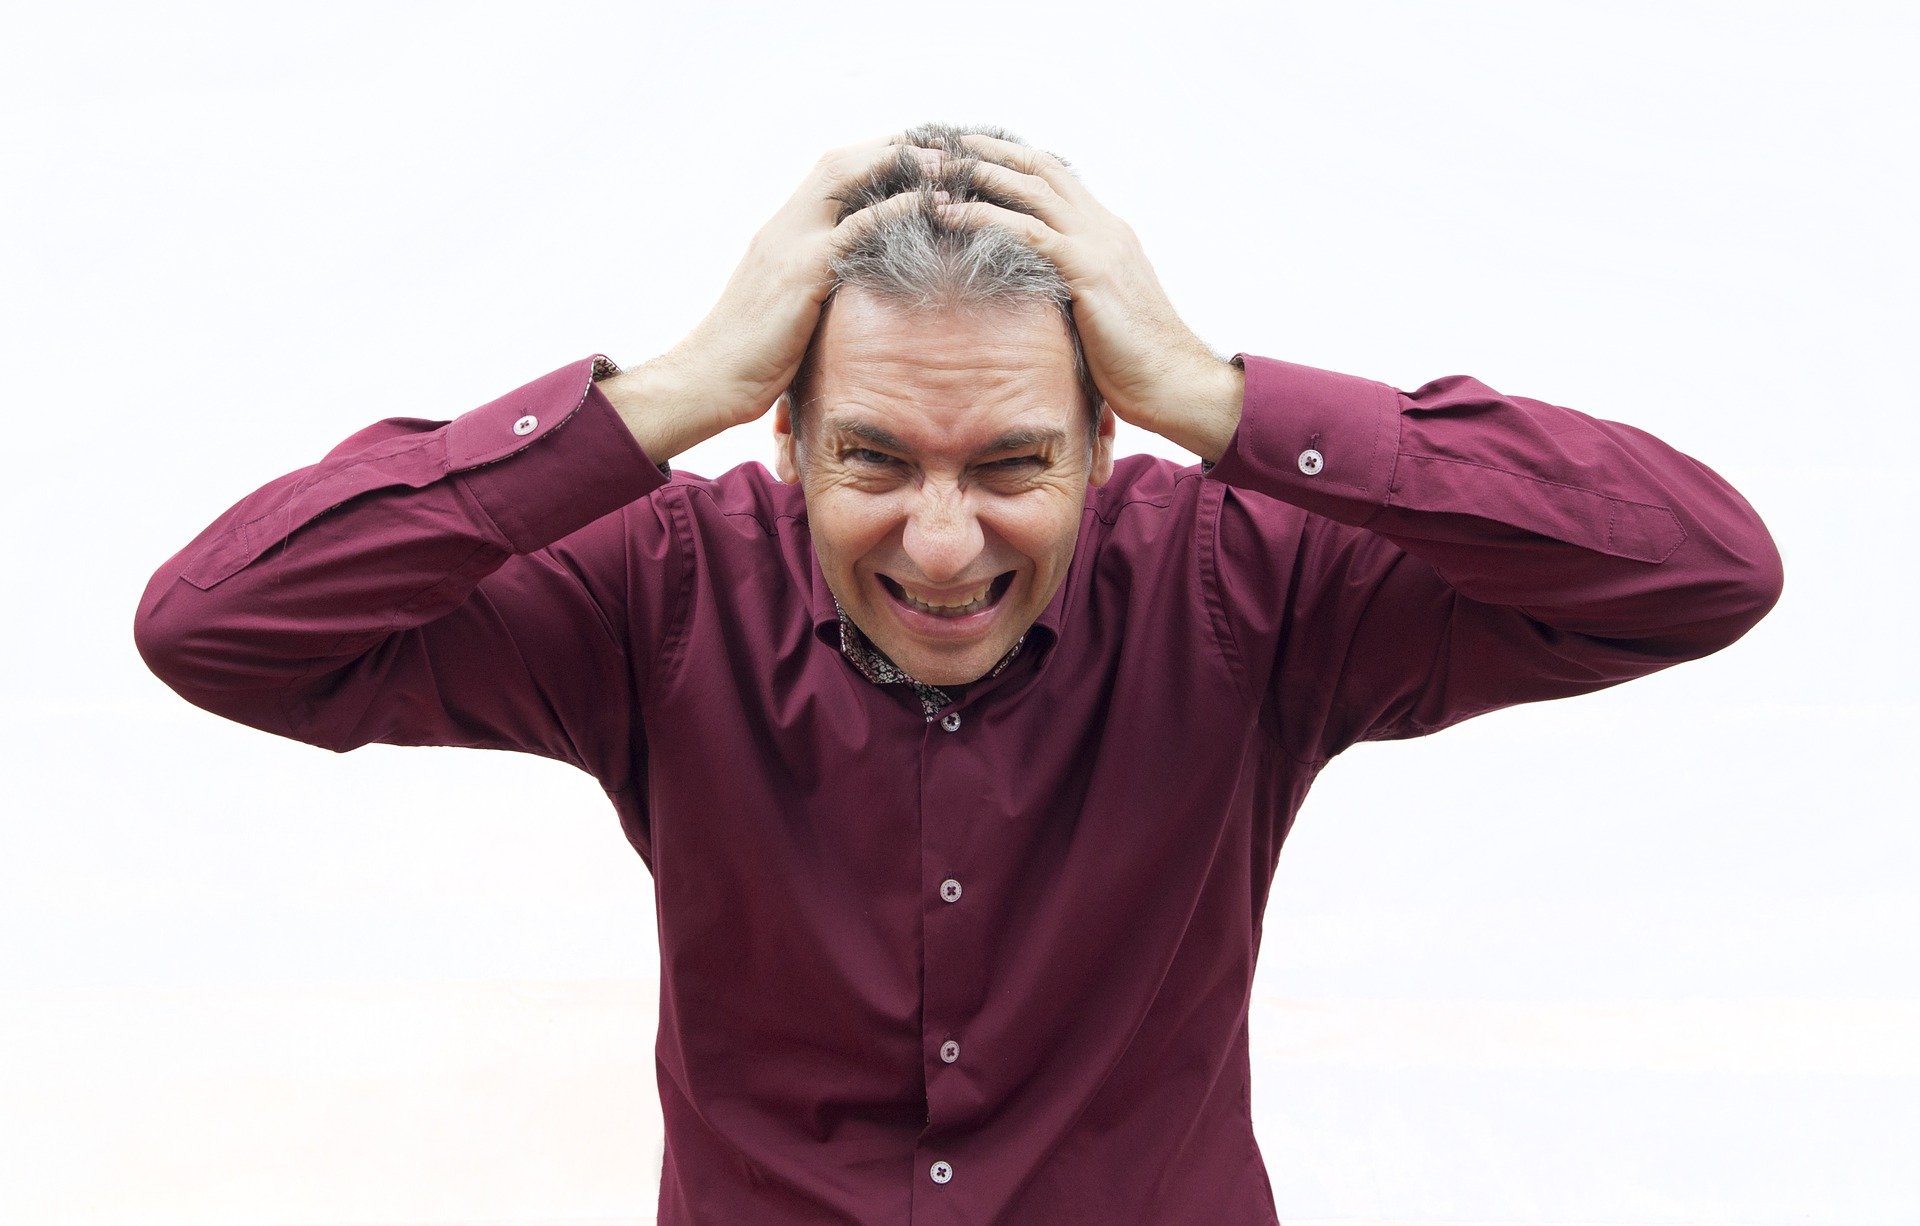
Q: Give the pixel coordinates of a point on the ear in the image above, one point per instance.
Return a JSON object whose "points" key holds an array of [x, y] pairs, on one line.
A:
{"points": [[785, 462], [1102, 448]]}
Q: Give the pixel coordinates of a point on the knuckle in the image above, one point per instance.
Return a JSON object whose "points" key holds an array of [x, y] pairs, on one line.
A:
{"points": [[833, 163]]}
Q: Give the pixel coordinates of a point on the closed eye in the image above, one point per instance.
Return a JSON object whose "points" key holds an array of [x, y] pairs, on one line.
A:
{"points": [[1018, 460], [867, 455]]}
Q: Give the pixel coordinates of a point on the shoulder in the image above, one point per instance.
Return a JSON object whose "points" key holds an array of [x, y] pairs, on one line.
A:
{"points": [[744, 530], [1146, 483], [745, 498], [1149, 503]]}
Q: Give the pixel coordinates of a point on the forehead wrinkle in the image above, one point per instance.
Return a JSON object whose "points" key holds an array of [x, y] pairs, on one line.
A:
{"points": [[864, 431], [913, 353], [997, 359], [961, 382], [1029, 436]]}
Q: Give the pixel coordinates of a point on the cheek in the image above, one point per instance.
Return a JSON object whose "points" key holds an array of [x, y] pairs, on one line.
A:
{"points": [[1043, 530], [847, 525]]}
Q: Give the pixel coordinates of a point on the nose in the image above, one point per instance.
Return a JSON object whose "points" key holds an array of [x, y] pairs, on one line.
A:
{"points": [[943, 535]]}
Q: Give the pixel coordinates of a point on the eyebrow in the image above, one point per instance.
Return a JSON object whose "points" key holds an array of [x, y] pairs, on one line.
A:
{"points": [[879, 436]]}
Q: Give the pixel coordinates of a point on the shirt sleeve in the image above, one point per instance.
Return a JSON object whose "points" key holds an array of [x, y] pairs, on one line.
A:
{"points": [[1462, 551], [461, 582]]}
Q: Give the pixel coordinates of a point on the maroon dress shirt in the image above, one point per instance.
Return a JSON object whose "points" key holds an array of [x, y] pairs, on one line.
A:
{"points": [[991, 966]]}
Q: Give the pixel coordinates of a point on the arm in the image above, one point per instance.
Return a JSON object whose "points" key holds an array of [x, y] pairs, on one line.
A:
{"points": [[432, 583], [468, 582], [1464, 551]]}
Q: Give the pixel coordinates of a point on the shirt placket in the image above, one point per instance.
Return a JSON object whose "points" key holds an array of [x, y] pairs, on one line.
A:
{"points": [[953, 765], [957, 895]]}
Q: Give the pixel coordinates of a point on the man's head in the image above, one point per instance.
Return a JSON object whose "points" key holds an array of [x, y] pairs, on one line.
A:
{"points": [[943, 427]]}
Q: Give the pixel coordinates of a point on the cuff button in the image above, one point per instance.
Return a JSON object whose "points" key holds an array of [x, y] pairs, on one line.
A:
{"points": [[1311, 461], [526, 424]]}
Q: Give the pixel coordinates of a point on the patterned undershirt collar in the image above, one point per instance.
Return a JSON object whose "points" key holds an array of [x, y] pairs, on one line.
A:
{"points": [[874, 665]]}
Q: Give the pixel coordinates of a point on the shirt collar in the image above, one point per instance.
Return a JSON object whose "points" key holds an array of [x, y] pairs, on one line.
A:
{"points": [[877, 668]]}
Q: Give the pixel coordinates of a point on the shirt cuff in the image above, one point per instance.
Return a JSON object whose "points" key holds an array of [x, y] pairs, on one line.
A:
{"points": [[549, 458], [1321, 440]]}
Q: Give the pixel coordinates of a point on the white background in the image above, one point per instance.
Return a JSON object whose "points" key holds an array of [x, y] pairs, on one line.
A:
{"points": [[1647, 956]]}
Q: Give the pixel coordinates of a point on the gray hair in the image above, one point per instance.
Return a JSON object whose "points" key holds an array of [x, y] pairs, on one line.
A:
{"points": [[919, 260]]}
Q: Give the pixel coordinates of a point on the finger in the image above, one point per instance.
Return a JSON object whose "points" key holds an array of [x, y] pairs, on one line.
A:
{"points": [[922, 199], [863, 157], [1027, 160], [875, 152], [880, 142], [1031, 191], [929, 155], [1042, 237], [820, 195], [1024, 158], [860, 155]]}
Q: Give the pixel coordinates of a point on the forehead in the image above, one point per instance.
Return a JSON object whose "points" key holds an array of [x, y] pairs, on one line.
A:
{"points": [[927, 380]]}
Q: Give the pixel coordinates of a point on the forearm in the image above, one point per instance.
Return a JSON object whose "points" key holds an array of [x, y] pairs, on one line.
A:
{"points": [[293, 611], [1401, 561], [1210, 415], [1591, 525], [667, 412]]}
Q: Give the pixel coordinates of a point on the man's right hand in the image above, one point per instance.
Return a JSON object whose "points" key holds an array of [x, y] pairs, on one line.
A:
{"points": [[732, 367]]}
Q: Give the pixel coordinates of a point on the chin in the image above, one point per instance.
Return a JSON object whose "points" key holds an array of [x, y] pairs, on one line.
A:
{"points": [[957, 679], [949, 672]]}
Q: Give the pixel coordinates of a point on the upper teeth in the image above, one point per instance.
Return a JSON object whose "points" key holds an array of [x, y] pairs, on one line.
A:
{"points": [[978, 595]]}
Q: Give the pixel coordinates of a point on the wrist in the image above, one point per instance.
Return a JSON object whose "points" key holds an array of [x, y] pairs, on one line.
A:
{"points": [[664, 410], [1210, 411]]}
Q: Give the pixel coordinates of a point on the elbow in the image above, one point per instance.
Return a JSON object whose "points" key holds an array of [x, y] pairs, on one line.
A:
{"points": [[180, 634], [176, 634], [1760, 576], [156, 632], [1767, 577], [235, 660], [1747, 587], [1719, 600], [160, 633]]}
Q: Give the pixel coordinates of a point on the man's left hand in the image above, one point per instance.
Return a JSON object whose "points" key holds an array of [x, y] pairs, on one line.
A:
{"points": [[1151, 368]]}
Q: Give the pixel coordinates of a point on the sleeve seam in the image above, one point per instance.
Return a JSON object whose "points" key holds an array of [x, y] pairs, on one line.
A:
{"points": [[1213, 494], [1613, 503], [314, 485], [673, 653], [1393, 468], [1212, 497]]}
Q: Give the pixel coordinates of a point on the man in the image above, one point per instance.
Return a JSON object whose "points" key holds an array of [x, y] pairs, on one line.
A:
{"points": [[961, 754]]}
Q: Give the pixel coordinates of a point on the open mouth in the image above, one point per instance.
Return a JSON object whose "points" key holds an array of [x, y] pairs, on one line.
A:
{"points": [[989, 598]]}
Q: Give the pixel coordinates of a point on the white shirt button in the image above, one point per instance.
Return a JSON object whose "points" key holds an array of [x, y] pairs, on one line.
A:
{"points": [[949, 1051], [526, 425], [941, 1172], [951, 721], [950, 890], [1311, 461]]}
